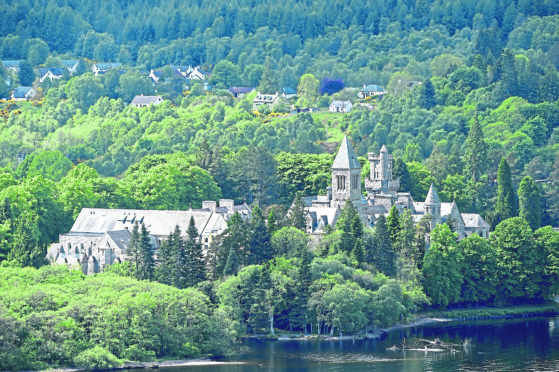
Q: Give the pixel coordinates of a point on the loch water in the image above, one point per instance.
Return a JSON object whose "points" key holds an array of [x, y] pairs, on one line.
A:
{"points": [[525, 344]]}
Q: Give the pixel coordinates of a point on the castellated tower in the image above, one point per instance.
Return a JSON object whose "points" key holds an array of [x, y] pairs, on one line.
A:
{"points": [[380, 178], [346, 177]]}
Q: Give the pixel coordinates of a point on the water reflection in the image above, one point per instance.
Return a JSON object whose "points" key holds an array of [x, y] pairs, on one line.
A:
{"points": [[512, 345]]}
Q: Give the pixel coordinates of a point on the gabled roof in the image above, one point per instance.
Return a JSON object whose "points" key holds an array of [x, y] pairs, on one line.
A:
{"points": [[56, 71], [432, 197], [21, 92], [346, 158], [288, 90], [145, 100], [107, 65], [340, 104], [473, 220], [69, 63], [372, 88], [11, 63], [240, 90]]}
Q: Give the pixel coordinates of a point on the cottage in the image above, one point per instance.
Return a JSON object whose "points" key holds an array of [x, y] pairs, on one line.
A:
{"points": [[51, 73], [371, 90], [145, 101], [155, 76], [239, 92], [102, 68], [22, 93], [269, 100], [340, 106], [12, 64], [71, 65], [198, 74]]}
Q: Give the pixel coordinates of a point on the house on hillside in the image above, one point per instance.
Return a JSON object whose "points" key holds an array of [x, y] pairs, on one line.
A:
{"points": [[145, 101], [22, 93], [198, 74], [12, 64], [155, 76], [102, 68], [288, 92], [340, 106], [71, 65], [269, 100], [240, 92], [182, 70], [51, 73], [371, 90]]}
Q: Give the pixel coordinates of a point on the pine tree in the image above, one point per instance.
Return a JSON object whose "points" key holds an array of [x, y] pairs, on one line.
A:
{"points": [[147, 259], [133, 254], [475, 157], [26, 74], [529, 200], [345, 224], [303, 283], [196, 271], [232, 265], [260, 245], [394, 224], [165, 262], [427, 95], [383, 256], [506, 199], [272, 224], [269, 83], [401, 172], [297, 215]]}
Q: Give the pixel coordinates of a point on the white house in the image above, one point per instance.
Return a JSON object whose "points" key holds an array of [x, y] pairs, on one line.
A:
{"points": [[371, 90], [22, 93], [340, 106], [101, 68], [145, 101], [265, 99]]}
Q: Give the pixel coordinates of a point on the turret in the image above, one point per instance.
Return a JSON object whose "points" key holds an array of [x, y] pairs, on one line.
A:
{"points": [[433, 206]]}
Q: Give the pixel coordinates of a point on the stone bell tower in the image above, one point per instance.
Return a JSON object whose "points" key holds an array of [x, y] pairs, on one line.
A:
{"points": [[346, 176]]}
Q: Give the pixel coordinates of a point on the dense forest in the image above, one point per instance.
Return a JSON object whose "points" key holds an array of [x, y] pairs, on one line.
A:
{"points": [[472, 105]]}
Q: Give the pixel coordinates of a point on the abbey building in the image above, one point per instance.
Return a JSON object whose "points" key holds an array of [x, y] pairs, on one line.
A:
{"points": [[382, 194]]}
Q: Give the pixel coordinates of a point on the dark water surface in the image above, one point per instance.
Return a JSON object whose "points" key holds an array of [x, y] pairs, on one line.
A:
{"points": [[527, 344]]}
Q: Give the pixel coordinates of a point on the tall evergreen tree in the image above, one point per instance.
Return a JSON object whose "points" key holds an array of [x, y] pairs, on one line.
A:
{"points": [[260, 245], [26, 74], [475, 157], [269, 83], [401, 171], [506, 199], [530, 202], [147, 259], [196, 271], [383, 256], [272, 224], [394, 225], [133, 253], [165, 262], [232, 266], [297, 214], [427, 95]]}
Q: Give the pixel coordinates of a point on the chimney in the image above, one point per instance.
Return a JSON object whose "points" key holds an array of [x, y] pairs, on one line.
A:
{"points": [[227, 203], [209, 204]]}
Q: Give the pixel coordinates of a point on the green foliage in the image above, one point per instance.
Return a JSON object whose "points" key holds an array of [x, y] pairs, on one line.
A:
{"points": [[529, 202], [506, 206], [97, 357]]}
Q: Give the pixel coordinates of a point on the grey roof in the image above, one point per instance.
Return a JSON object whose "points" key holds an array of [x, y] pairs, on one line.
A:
{"points": [[288, 90], [120, 238], [107, 66], [69, 63], [340, 103], [159, 223], [432, 197], [11, 63], [21, 91], [240, 90], [145, 100], [383, 148], [346, 158], [372, 88], [473, 220]]}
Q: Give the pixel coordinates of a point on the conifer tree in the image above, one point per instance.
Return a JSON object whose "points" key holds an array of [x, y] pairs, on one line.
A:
{"points": [[506, 199], [297, 215], [269, 83], [232, 265], [401, 172], [383, 256], [475, 157], [133, 254], [196, 270], [272, 225], [345, 224], [529, 200], [260, 245], [394, 224], [165, 262], [147, 260], [302, 285]]}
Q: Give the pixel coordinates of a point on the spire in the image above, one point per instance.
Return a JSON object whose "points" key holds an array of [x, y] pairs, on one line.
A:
{"points": [[346, 158], [383, 149], [432, 197]]}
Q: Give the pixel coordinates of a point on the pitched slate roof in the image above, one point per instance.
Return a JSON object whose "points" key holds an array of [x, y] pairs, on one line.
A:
{"points": [[159, 223], [372, 88], [21, 91], [145, 100], [346, 158], [240, 90], [473, 220], [288, 90]]}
